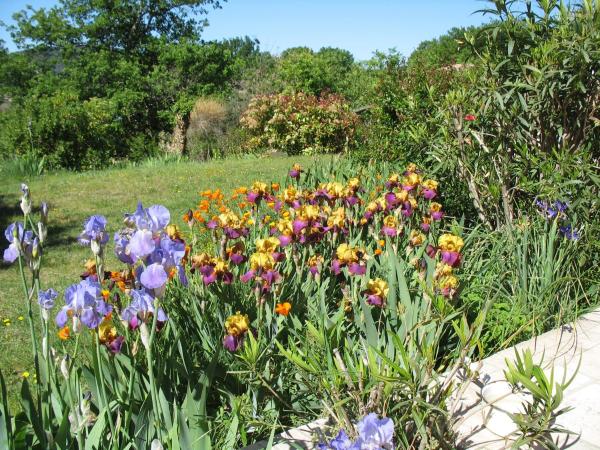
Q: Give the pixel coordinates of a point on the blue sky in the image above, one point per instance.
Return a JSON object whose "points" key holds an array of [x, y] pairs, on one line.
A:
{"points": [[359, 26]]}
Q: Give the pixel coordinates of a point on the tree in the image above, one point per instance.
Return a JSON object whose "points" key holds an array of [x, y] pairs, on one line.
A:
{"points": [[135, 65], [303, 70]]}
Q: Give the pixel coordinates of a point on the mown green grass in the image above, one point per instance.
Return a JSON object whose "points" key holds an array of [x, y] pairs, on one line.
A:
{"points": [[73, 197]]}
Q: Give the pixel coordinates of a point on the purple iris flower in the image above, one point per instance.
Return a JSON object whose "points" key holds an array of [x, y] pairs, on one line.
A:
{"points": [[429, 194], [24, 245], [248, 276], [341, 442], [374, 300], [140, 309], [46, 298], [84, 301], [389, 231], [451, 258], [115, 345], [94, 229], [298, 225], [391, 200], [336, 266], [122, 250], [154, 276], [232, 343], [375, 433], [357, 269], [437, 215], [570, 233], [154, 218], [284, 240], [168, 253], [141, 244]]}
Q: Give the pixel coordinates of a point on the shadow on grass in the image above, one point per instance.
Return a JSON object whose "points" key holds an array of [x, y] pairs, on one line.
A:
{"points": [[10, 211]]}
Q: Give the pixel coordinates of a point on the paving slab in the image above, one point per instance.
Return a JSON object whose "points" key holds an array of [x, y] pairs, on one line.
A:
{"points": [[486, 425]]}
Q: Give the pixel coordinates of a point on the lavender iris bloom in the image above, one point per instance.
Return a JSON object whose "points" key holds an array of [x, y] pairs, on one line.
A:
{"points": [[154, 219], [141, 244], [122, 250], [375, 433], [19, 240], [46, 298], [141, 307], [154, 276], [84, 302], [94, 229], [341, 442]]}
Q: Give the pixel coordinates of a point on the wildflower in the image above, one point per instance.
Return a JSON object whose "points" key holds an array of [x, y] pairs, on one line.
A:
{"points": [[470, 118], [236, 326], [570, 233], [94, 233], [212, 269], [235, 253], [450, 245], [373, 434], [25, 199], [107, 334], [416, 238], [154, 277], [426, 224], [46, 301], [390, 226], [377, 291], [410, 181], [21, 242], [315, 263], [553, 209], [25, 374], [429, 189], [257, 193], [83, 304], [141, 309], [448, 285], [64, 333], [283, 308], [295, 171], [435, 210], [20, 318], [351, 257]]}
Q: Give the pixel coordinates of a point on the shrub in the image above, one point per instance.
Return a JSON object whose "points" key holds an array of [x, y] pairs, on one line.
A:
{"points": [[300, 123]]}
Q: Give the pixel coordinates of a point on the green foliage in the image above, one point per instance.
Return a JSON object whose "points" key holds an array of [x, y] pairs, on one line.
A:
{"points": [[300, 123], [537, 421], [532, 277], [300, 69], [96, 83]]}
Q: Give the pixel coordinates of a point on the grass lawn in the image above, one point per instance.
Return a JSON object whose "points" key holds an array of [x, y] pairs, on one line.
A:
{"points": [[73, 197]]}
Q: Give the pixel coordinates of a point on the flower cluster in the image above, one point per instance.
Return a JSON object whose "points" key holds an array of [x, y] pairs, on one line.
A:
{"points": [[323, 228]]}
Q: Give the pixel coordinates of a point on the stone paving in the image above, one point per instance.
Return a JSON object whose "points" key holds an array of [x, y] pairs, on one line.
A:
{"points": [[484, 422], [482, 418]]}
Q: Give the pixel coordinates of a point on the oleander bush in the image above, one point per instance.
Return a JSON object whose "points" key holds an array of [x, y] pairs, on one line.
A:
{"points": [[300, 123]]}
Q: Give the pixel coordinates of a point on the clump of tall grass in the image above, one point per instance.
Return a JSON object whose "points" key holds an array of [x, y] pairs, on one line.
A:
{"points": [[532, 277]]}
